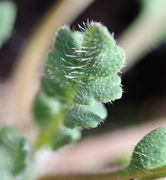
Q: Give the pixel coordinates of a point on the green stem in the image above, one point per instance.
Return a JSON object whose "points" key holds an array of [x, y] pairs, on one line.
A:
{"points": [[52, 128]]}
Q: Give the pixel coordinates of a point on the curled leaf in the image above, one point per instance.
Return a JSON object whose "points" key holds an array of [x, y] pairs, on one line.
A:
{"points": [[81, 73], [85, 116]]}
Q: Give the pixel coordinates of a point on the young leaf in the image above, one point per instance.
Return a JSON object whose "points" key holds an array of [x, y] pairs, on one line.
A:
{"points": [[81, 73], [106, 57]]}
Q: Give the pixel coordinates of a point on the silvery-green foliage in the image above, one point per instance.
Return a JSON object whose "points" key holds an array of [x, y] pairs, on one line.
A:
{"points": [[7, 18], [88, 66], [81, 73]]}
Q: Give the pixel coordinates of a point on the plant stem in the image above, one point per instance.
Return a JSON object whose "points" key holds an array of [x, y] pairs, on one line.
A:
{"points": [[119, 175], [52, 128]]}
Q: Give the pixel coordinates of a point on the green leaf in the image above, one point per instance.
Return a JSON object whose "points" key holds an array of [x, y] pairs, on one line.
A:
{"points": [[44, 109], [153, 6], [148, 159], [7, 18], [150, 152], [106, 58], [14, 154], [91, 60], [81, 73], [85, 116], [66, 40], [64, 136], [63, 63], [102, 89]]}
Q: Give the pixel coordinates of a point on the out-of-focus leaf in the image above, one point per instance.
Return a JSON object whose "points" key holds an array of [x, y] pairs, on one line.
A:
{"points": [[14, 154], [7, 18], [44, 109], [64, 137]]}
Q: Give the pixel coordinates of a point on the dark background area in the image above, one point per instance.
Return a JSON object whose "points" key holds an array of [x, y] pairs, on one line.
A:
{"points": [[144, 85]]}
